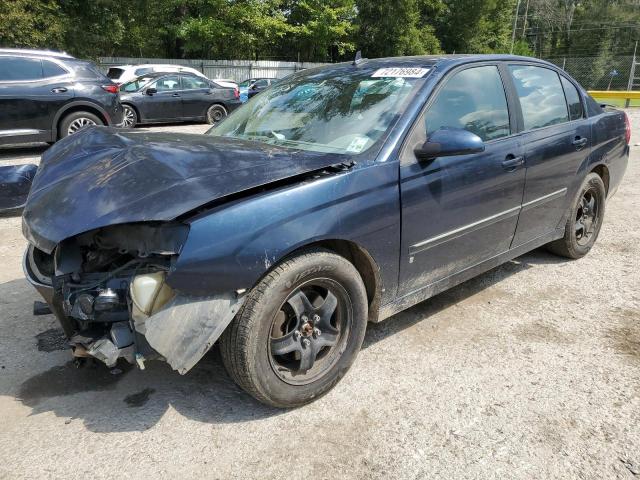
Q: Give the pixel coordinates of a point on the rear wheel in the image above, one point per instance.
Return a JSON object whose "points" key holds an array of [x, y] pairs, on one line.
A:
{"points": [[76, 121], [585, 220], [298, 331], [215, 114]]}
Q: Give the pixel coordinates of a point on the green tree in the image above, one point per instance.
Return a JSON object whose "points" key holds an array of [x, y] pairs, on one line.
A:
{"points": [[321, 30], [476, 26], [240, 28], [396, 27], [32, 24]]}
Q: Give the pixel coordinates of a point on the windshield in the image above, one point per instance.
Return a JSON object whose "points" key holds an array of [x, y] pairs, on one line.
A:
{"points": [[137, 84], [342, 111]]}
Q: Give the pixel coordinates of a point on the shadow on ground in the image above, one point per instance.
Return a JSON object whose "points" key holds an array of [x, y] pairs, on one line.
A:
{"points": [[21, 153], [127, 399]]}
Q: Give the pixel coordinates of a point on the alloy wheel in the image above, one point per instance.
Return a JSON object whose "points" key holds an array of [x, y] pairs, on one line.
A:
{"points": [[309, 331], [78, 124], [587, 216], [129, 119]]}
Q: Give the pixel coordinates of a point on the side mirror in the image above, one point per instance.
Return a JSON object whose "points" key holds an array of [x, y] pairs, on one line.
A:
{"points": [[447, 142], [151, 91], [253, 87]]}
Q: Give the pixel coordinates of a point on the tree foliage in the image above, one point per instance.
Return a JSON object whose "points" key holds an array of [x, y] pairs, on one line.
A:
{"points": [[32, 23], [320, 30], [397, 27]]}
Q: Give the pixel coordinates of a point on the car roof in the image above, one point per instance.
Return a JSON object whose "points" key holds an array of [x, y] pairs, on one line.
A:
{"points": [[28, 51], [162, 74], [432, 60]]}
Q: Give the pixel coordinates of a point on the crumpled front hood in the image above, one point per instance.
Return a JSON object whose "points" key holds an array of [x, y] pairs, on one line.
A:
{"points": [[103, 176]]}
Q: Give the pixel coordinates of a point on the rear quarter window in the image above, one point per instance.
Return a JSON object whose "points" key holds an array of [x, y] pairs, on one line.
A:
{"points": [[50, 69], [573, 99], [115, 73], [541, 96], [87, 71]]}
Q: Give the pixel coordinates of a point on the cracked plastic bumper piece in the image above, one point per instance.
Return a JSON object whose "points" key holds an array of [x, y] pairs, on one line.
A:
{"points": [[187, 327]]}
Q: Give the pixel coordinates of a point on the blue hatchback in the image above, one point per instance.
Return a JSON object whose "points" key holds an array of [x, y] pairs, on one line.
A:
{"points": [[340, 195]]}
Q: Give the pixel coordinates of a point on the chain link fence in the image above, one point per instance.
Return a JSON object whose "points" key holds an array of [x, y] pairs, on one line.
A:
{"points": [[599, 72]]}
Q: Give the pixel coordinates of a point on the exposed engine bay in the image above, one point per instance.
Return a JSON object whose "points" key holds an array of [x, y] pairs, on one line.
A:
{"points": [[109, 290]]}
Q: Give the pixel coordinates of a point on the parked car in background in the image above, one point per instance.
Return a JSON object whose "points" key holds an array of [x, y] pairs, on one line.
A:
{"points": [[48, 95], [226, 82], [125, 73], [341, 195], [15, 182], [176, 97], [253, 86]]}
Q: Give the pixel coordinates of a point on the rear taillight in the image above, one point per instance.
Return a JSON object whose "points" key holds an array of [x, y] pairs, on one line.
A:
{"points": [[111, 88], [236, 93], [627, 127]]}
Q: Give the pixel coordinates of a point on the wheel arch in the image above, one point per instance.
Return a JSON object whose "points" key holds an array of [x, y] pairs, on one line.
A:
{"points": [[77, 107], [603, 172], [361, 259]]}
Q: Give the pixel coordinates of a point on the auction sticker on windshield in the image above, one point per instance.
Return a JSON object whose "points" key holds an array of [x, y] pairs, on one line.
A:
{"points": [[400, 72]]}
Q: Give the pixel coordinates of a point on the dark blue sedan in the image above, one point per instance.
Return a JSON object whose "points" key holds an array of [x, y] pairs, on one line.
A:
{"points": [[176, 97], [339, 196]]}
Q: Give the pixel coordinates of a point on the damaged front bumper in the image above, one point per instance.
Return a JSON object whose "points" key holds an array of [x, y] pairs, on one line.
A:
{"points": [[130, 312]]}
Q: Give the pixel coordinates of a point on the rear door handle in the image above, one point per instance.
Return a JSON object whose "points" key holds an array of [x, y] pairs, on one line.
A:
{"points": [[512, 163], [175, 95], [580, 143], [59, 90]]}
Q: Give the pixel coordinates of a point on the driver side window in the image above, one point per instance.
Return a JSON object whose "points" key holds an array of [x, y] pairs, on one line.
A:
{"points": [[473, 100]]}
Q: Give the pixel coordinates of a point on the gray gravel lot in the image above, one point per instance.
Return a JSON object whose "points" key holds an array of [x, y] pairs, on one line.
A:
{"points": [[529, 371]]}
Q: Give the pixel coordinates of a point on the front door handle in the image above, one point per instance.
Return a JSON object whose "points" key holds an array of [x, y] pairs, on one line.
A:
{"points": [[580, 143], [512, 163], [175, 95], [59, 90]]}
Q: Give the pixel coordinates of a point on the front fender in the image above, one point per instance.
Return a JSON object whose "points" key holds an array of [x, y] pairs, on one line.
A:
{"points": [[232, 246]]}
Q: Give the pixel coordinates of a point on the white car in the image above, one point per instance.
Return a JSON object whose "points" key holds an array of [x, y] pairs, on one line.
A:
{"points": [[226, 82], [125, 73]]}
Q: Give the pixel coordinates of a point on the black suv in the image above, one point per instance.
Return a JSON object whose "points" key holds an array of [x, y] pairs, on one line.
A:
{"points": [[45, 96]]}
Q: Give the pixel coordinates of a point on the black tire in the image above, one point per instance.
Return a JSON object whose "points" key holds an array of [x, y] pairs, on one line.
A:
{"points": [[129, 116], [216, 113], [246, 345], [69, 123], [584, 220]]}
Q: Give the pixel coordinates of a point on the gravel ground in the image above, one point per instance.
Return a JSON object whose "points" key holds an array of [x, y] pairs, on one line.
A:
{"points": [[529, 371]]}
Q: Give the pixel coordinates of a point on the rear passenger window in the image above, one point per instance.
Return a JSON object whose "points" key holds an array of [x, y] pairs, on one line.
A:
{"points": [[573, 99], [20, 69], [50, 69], [541, 96], [474, 100], [193, 83]]}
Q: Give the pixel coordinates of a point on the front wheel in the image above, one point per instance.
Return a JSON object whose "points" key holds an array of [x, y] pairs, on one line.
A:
{"points": [[298, 331], [129, 117], [585, 220], [215, 114]]}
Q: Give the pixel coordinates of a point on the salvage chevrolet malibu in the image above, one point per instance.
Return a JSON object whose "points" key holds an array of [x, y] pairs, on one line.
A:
{"points": [[338, 196]]}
